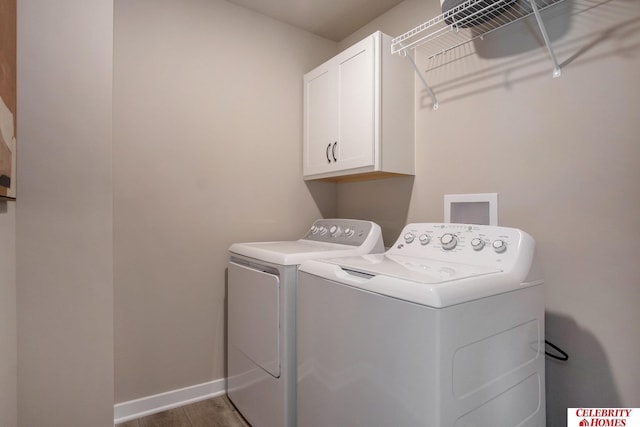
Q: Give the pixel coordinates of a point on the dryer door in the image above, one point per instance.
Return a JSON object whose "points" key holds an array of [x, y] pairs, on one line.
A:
{"points": [[253, 316]]}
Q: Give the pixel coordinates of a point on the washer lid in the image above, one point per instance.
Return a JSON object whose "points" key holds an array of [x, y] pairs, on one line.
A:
{"points": [[432, 283], [440, 264], [420, 270]]}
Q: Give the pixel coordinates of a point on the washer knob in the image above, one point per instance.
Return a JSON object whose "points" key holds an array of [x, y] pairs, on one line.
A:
{"points": [[449, 241], [477, 244], [409, 237], [314, 229], [349, 231], [499, 246], [322, 230], [335, 231], [424, 239]]}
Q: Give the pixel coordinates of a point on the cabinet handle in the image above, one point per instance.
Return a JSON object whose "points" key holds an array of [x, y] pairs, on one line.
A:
{"points": [[327, 153], [333, 151]]}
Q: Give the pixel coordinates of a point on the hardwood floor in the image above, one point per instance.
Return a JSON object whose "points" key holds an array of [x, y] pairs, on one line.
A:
{"points": [[216, 412]]}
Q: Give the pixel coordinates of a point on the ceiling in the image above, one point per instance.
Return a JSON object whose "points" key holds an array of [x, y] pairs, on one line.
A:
{"points": [[331, 19]]}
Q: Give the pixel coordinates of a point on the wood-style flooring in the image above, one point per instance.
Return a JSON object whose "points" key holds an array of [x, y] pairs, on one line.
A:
{"points": [[216, 412]]}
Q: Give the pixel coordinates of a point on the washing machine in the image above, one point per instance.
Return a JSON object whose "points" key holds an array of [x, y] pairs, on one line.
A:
{"points": [[261, 312], [444, 329]]}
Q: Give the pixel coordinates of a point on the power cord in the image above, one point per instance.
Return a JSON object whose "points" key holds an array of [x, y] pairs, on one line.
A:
{"points": [[563, 356]]}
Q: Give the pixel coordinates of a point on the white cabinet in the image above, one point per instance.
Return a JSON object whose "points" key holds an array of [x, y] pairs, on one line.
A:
{"points": [[359, 114]]}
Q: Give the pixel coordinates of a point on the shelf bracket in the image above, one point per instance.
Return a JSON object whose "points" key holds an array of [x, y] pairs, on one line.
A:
{"points": [[543, 31], [424, 81]]}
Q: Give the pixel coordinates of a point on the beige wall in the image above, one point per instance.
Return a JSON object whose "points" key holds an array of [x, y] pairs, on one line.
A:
{"points": [[563, 156], [64, 213], [8, 344], [207, 152]]}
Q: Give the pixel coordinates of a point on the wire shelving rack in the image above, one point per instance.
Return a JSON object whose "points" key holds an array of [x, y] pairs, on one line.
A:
{"points": [[469, 21]]}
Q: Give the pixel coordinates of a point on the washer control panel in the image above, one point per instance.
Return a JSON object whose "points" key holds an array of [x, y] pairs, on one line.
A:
{"points": [[464, 243], [343, 231]]}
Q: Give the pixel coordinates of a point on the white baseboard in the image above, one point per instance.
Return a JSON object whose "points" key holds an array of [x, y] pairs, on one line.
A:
{"points": [[127, 411]]}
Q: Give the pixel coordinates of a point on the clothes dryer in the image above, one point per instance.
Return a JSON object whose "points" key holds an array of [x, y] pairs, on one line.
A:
{"points": [[261, 297], [444, 329]]}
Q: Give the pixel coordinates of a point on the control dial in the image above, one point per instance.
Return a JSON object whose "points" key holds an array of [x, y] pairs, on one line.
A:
{"points": [[322, 230], [477, 244], [349, 232], [409, 237], [449, 241], [499, 246], [335, 231], [314, 229], [424, 239]]}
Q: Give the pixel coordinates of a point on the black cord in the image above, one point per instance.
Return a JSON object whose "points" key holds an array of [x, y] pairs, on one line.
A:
{"points": [[564, 356]]}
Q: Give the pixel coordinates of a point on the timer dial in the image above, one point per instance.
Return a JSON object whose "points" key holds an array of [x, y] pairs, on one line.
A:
{"points": [[409, 237], [424, 239], [335, 231], [449, 241]]}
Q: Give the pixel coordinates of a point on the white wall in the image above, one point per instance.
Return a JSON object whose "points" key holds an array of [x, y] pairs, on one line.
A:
{"points": [[207, 152], [562, 155], [8, 343], [64, 213]]}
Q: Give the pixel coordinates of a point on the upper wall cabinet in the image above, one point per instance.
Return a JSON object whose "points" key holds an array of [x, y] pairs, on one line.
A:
{"points": [[359, 114]]}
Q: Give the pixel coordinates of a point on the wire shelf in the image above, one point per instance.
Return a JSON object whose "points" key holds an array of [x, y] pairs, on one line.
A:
{"points": [[464, 23]]}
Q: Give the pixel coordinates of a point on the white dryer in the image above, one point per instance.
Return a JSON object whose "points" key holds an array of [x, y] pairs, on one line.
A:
{"points": [[444, 329], [261, 298]]}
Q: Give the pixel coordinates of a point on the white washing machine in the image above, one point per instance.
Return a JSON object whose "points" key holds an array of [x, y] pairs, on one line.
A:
{"points": [[444, 329], [261, 298]]}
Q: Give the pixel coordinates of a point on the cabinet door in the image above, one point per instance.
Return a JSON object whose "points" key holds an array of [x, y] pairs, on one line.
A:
{"points": [[357, 88], [320, 119]]}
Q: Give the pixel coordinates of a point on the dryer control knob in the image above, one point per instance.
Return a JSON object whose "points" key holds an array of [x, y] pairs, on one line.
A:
{"points": [[477, 244], [424, 239], [314, 229], [322, 230], [349, 231], [499, 246], [335, 231], [409, 237], [449, 241]]}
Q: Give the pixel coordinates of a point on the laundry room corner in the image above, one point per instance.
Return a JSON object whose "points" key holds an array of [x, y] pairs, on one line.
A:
{"points": [[390, 209]]}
